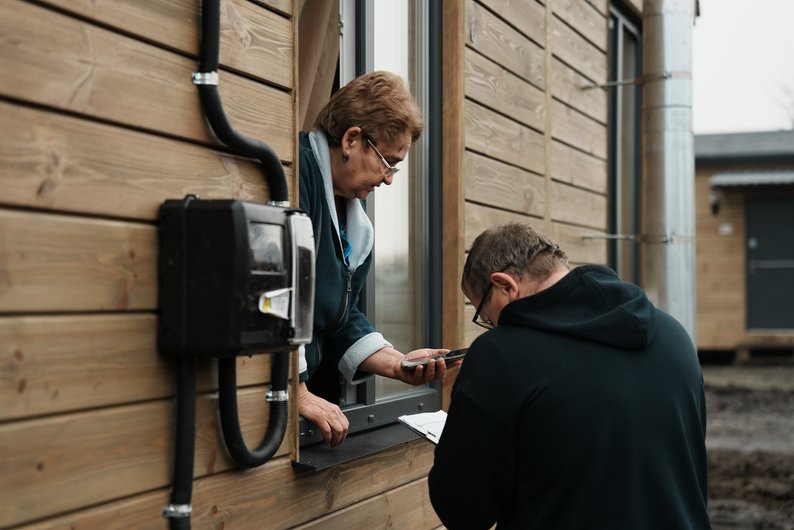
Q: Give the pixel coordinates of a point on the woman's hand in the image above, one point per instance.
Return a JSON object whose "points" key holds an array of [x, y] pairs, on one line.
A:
{"points": [[386, 362], [434, 369], [333, 424]]}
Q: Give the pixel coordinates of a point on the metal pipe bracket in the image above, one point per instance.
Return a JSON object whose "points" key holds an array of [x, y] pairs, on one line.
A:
{"points": [[205, 78], [177, 511]]}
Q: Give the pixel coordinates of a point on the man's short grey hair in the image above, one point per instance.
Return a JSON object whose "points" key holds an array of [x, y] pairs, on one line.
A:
{"points": [[516, 247]]}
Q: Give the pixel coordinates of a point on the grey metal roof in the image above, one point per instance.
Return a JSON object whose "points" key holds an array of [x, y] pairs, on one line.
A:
{"points": [[772, 177], [753, 146]]}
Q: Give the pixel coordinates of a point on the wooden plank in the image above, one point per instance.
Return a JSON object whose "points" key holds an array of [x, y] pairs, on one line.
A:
{"points": [[527, 16], [602, 6], [585, 19], [577, 206], [577, 52], [500, 185], [566, 85], [273, 495], [579, 250], [496, 88], [578, 130], [109, 454], [67, 64], [480, 218], [58, 162], [282, 6], [577, 168], [57, 364], [472, 330], [504, 139], [253, 40], [405, 507], [60, 263], [495, 39], [452, 178], [569, 238]]}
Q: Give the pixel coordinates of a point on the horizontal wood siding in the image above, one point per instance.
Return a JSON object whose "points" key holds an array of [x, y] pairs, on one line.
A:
{"points": [[69, 65], [65, 462], [273, 496], [66, 363], [577, 168], [504, 139], [253, 40], [535, 140], [493, 37]]}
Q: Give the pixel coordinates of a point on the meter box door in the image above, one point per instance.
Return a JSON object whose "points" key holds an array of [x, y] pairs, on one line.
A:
{"points": [[236, 278]]}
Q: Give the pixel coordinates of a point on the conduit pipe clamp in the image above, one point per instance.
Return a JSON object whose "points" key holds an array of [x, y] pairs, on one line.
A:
{"points": [[177, 511], [278, 395], [205, 78]]}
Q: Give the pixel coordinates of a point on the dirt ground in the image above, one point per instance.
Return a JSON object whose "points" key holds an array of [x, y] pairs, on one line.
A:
{"points": [[750, 442]]}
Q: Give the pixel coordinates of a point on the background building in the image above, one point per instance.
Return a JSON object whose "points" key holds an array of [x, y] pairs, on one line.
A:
{"points": [[745, 248]]}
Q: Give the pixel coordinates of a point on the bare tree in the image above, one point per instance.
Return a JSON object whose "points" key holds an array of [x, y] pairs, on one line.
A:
{"points": [[784, 96]]}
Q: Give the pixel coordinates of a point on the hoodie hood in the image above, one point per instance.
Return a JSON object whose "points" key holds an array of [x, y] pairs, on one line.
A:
{"points": [[590, 303]]}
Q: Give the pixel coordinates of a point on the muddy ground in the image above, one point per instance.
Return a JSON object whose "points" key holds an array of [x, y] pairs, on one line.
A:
{"points": [[750, 441]]}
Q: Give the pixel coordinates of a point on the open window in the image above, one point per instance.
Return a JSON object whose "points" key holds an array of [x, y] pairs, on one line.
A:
{"points": [[339, 41]]}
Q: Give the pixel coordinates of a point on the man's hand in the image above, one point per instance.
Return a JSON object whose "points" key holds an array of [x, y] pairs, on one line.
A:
{"points": [[333, 424]]}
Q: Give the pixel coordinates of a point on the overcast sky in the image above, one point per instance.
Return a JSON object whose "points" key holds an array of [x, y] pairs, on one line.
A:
{"points": [[743, 66]]}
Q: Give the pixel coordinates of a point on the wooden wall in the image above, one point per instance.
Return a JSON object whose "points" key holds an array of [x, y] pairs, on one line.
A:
{"points": [[533, 143], [99, 123]]}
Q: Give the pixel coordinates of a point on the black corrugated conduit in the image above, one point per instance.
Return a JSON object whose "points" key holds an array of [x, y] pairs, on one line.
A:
{"points": [[207, 81], [230, 422], [179, 510]]}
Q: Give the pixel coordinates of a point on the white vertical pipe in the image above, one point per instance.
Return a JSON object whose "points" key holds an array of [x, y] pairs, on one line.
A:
{"points": [[668, 209]]}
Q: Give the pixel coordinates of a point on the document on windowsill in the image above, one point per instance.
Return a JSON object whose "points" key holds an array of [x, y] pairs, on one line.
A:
{"points": [[428, 424]]}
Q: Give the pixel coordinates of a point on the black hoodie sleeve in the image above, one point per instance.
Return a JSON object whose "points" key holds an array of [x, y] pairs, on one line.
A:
{"points": [[472, 478]]}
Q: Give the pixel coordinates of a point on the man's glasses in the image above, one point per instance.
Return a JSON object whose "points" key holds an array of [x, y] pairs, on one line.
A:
{"points": [[390, 169], [487, 324]]}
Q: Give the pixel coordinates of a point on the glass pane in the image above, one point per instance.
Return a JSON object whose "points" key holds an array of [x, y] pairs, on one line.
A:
{"points": [[397, 209], [628, 177]]}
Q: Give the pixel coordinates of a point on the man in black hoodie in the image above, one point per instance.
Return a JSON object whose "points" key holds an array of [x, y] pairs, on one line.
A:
{"points": [[583, 407]]}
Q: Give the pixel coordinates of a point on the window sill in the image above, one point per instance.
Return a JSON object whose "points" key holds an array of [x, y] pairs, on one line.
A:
{"points": [[319, 456]]}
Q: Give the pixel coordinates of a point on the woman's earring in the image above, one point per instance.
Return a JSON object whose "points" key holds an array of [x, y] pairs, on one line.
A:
{"points": [[345, 157]]}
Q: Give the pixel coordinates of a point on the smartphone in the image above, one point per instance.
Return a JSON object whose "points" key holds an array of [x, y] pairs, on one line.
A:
{"points": [[452, 355]]}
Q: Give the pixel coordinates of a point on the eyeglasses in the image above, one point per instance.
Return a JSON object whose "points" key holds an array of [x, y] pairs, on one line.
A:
{"points": [[487, 324], [390, 169]]}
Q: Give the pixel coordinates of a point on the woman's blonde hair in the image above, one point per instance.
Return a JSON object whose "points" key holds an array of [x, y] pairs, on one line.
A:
{"points": [[379, 102]]}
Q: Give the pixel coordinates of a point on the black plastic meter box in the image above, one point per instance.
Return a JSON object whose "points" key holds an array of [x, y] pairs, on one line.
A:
{"points": [[235, 277]]}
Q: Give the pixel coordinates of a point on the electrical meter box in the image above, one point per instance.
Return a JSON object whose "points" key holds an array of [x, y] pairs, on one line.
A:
{"points": [[236, 278]]}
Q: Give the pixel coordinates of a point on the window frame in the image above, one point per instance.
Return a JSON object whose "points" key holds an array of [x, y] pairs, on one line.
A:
{"points": [[620, 22], [359, 402]]}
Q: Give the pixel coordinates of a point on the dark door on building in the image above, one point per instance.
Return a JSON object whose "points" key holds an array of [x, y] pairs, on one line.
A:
{"points": [[770, 263]]}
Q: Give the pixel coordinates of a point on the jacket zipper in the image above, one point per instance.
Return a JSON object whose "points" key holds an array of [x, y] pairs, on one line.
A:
{"points": [[343, 309]]}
